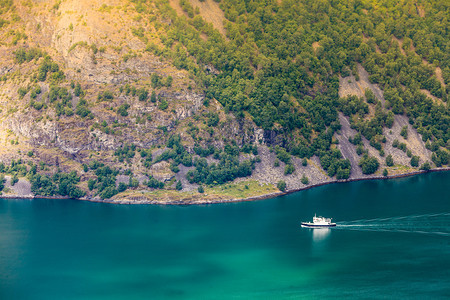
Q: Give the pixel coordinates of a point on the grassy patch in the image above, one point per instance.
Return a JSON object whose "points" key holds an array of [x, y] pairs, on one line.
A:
{"points": [[242, 189]]}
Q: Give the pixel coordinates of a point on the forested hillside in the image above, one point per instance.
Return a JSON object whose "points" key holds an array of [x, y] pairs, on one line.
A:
{"points": [[190, 96]]}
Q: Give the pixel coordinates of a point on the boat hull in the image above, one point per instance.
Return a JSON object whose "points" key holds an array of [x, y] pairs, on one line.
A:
{"points": [[310, 225]]}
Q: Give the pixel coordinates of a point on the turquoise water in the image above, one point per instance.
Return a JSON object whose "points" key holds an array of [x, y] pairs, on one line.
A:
{"points": [[392, 241]]}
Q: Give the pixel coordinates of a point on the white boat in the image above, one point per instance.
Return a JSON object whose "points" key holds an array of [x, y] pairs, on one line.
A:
{"points": [[319, 222]]}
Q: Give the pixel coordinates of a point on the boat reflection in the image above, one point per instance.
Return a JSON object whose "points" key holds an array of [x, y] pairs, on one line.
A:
{"points": [[320, 234]]}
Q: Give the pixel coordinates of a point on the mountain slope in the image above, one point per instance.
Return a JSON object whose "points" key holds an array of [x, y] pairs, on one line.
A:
{"points": [[204, 101]]}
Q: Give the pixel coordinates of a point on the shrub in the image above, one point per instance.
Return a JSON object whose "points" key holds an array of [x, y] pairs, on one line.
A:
{"points": [[281, 185], [425, 166], [304, 179], [289, 169], [91, 184], [369, 164], [122, 187], [389, 160], [105, 96], [415, 161], [179, 186], [404, 132], [14, 180], [123, 109]]}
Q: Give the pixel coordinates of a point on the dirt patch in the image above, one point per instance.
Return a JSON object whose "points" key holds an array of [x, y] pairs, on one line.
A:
{"points": [[420, 10], [315, 45], [347, 149], [438, 72], [400, 44], [349, 85], [436, 100]]}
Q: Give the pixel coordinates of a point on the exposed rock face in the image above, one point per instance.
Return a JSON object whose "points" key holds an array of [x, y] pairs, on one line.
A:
{"points": [[40, 134]]}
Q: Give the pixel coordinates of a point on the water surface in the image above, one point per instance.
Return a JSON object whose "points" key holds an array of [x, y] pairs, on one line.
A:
{"points": [[393, 240]]}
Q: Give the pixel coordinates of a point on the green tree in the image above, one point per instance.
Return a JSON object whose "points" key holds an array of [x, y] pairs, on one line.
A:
{"points": [[368, 164], [281, 185], [304, 179], [389, 160], [179, 186], [415, 161]]}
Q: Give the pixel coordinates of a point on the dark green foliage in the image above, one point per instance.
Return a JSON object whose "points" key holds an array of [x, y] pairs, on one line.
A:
{"points": [[342, 173], [154, 183], [201, 189], [426, 166], [179, 186], [26, 55], [64, 105], [249, 148], [213, 119], [142, 94], [440, 157], [404, 132], [389, 160], [153, 97], [123, 109], [352, 105], [408, 153], [332, 162], [226, 170], [67, 184], [156, 80], [369, 164], [46, 67], [375, 142], [360, 150], [122, 187], [169, 81], [283, 155], [146, 155], [289, 169], [2, 182], [370, 96], [91, 184], [108, 192], [125, 152], [22, 91], [105, 96], [78, 91], [267, 67], [385, 172], [42, 185], [174, 168], [304, 179], [163, 104], [356, 140], [415, 161], [281, 185], [106, 179], [14, 179], [82, 109], [304, 162], [205, 152]]}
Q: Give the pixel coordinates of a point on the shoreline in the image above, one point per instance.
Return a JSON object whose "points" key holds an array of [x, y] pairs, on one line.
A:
{"points": [[206, 202]]}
